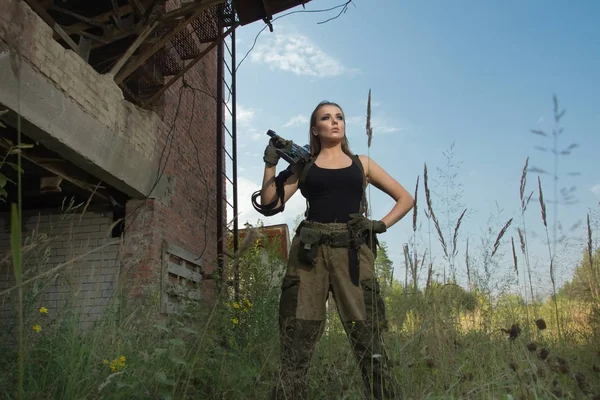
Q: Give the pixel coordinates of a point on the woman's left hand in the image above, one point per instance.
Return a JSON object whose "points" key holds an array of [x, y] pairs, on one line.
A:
{"points": [[359, 223]]}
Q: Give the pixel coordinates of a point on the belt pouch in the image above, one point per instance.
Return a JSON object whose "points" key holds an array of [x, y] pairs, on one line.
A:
{"points": [[309, 244]]}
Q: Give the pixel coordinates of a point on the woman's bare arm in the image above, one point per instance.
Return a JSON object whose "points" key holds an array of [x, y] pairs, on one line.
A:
{"points": [[383, 181], [268, 192]]}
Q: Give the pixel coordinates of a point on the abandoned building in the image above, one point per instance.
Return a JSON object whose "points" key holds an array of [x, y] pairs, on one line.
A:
{"points": [[126, 111]]}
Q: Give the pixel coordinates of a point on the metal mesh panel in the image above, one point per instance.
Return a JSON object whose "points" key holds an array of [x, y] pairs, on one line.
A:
{"points": [[185, 44], [167, 61], [206, 25]]}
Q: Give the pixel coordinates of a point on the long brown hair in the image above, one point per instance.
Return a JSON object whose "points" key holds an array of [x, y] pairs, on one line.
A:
{"points": [[315, 142]]}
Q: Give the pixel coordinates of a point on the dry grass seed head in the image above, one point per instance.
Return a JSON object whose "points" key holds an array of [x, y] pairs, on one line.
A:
{"points": [[455, 237], [415, 206], [368, 127], [522, 240], [467, 263], [514, 252], [589, 242], [426, 182], [523, 184], [499, 237], [542, 204], [430, 209], [440, 235], [528, 200]]}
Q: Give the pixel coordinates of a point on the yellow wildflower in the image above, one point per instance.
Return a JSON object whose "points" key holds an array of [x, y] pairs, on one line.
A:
{"points": [[36, 327], [105, 361], [117, 363], [43, 310], [236, 305], [235, 321], [248, 303]]}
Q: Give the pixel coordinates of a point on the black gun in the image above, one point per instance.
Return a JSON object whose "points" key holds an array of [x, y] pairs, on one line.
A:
{"points": [[294, 155]]}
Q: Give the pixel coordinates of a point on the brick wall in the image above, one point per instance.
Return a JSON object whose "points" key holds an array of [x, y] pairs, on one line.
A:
{"points": [[52, 237], [186, 215], [169, 154]]}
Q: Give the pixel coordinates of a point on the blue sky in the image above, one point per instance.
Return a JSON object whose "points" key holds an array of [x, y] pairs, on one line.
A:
{"points": [[476, 74]]}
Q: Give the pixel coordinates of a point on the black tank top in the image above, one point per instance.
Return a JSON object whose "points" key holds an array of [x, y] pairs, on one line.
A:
{"points": [[333, 194]]}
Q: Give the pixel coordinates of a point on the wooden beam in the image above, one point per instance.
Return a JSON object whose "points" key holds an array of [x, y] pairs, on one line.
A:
{"points": [[110, 37], [201, 6], [188, 8], [189, 65], [134, 46], [35, 6], [100, 18], [77, 16], [58, 171]]}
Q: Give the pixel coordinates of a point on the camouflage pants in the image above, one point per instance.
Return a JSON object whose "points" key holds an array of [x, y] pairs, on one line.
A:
{"points": [[302, 314]]}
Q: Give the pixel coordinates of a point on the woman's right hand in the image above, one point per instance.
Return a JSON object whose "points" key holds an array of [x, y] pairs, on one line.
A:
{"points": [[271, 157]]}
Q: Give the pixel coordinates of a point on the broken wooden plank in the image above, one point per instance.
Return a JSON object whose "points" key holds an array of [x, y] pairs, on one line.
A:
{"points": [[183, 272], [183, 254], [200, 7], [134, 46]]}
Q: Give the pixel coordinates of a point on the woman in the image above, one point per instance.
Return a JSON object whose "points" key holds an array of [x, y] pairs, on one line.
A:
{"points": [[333, 250]]}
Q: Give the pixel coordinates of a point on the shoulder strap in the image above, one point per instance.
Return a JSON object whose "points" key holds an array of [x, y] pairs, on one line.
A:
{"points": [[363, 204], [302, 179], [303, 173]]}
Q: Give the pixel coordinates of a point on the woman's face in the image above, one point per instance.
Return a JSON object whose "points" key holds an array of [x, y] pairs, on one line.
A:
{"points": [[329, 123]]}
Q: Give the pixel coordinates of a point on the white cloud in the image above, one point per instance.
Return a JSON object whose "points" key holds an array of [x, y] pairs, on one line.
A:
{"points": [[355, 120], [385, 128], [596, 190], [245, 118], [298, 120], [244, 115], [296, 53], [379, 123], [247, 213], [255, 135]]}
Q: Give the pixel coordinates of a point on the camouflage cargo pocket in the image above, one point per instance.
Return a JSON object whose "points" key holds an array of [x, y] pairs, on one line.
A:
{"points": [[374, 304]]}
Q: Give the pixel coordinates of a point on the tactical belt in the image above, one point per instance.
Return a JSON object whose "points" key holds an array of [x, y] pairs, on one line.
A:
{"points": [[341, 239]]}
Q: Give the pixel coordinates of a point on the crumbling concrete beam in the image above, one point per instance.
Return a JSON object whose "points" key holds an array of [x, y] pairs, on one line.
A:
{"points": [[52, 118]]}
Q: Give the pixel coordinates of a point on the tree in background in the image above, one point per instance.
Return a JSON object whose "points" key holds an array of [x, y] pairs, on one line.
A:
{"points": [[384, 268], [584, 285]]}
